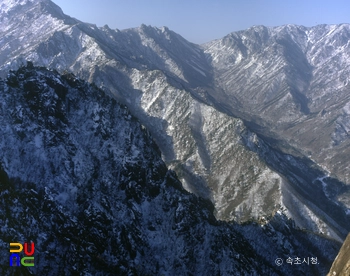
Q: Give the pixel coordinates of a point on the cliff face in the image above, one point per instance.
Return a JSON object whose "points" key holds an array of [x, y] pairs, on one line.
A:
{"points": [[341, 265]]}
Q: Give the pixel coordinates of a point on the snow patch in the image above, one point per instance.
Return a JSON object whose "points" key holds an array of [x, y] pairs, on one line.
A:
{"points": [[199, 71]]}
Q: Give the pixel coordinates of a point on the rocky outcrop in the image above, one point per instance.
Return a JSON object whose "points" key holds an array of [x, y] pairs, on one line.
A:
{"points": [[341, 264]]}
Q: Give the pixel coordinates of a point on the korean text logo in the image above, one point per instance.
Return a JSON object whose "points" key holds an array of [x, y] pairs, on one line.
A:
{"points": [[16, 260]]}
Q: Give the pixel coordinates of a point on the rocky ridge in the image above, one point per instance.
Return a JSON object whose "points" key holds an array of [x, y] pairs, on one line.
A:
{"points": [[181, 93], [83, 179]]}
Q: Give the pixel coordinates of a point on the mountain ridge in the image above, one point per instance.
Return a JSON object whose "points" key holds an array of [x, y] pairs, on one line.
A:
{"points": [[301, 88], [164, 86], [90, 189]]}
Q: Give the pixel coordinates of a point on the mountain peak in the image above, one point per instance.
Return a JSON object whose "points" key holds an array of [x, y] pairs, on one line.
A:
{"points": [[8, 5], [16, 6]]}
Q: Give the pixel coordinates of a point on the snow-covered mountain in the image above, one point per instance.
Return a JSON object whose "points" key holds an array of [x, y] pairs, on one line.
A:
{"points": [[288, 151], [293, 80], [146, 68], [83, 179]]}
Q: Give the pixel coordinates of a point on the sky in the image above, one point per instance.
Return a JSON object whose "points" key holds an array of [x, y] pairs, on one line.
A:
{"points": [[200, 21]]}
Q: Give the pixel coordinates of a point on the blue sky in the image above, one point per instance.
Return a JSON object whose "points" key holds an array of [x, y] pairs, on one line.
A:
{"points": [[200, 21]]}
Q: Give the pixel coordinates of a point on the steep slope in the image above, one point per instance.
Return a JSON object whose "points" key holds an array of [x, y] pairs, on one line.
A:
{"points": [[146, 68], [208, 151], [282, 82], [83, 180], [187, 100], [290, 81]]}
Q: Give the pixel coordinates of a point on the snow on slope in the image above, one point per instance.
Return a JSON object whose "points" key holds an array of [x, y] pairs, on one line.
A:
{"points": [[83, 179], [155, 72]]}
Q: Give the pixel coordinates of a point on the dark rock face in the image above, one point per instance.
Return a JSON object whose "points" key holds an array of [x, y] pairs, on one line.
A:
{"points": [[341, 264], [83, 180]]}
